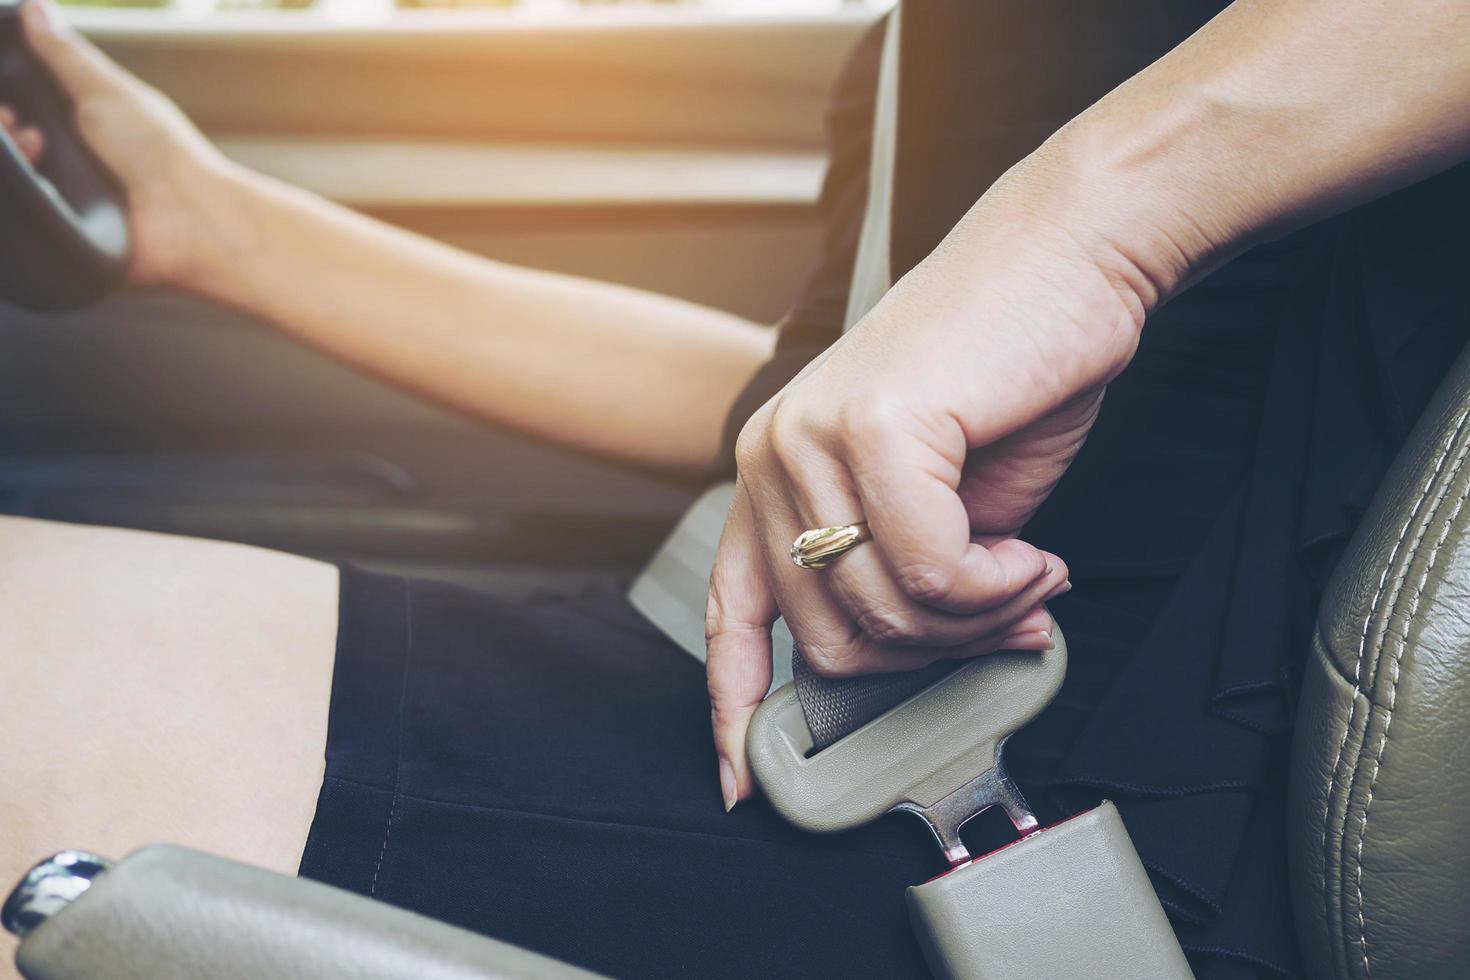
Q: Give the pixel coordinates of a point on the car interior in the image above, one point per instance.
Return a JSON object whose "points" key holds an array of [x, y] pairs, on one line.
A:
{"points": [[679, 151], [679, 154]]}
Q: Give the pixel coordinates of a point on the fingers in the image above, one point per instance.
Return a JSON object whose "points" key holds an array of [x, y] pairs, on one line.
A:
{"points": [[829, 610], [76, 64], [28, 139], [846, 636], [864, 587], [1033, 632], [860, 614], [829, 636], [738, 621], [921, 527], [742, 607]]}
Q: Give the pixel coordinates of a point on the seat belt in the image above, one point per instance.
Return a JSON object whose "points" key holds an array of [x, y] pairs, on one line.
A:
{"points": [[672, 590], [1067, 902]]}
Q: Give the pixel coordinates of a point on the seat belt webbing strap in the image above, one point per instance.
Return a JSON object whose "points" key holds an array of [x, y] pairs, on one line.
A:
{"points": [[671, 591], [872, 273], [834, 708]]}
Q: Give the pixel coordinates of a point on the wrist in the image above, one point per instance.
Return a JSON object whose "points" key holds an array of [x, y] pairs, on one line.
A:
{"points": [[1150, 195], [215, 227]]}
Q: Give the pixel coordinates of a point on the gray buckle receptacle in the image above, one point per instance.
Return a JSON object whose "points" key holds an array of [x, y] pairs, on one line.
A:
{"points": [[1066, 902]]}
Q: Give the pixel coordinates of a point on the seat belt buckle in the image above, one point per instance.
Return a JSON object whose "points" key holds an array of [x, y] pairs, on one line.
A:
{"points": [[1067, 902], [938, 755]]}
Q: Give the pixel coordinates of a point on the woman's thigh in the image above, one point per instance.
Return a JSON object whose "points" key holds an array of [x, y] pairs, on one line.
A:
{"points": [[156, 688]]}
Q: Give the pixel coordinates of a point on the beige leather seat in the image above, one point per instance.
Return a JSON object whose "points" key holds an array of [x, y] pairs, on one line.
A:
{"points": [[1380, 778]]}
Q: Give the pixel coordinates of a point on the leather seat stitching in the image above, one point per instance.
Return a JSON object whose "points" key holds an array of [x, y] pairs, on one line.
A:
{"points": [[1395, 665], [1363, 643]]}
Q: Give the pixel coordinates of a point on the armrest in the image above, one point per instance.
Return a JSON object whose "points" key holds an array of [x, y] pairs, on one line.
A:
{"points": [[167, 912]]}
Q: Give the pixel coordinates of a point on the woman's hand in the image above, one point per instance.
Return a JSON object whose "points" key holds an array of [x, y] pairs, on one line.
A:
{"points": [[947, 417], [166, 167], [943, 420]]}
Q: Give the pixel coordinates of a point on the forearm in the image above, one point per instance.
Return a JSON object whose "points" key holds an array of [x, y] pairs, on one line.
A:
{"points": [[602, 367], [1278, 113]]}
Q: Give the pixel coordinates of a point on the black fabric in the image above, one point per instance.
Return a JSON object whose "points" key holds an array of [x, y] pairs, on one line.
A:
{"points": [[984, 82], [543, 772]]}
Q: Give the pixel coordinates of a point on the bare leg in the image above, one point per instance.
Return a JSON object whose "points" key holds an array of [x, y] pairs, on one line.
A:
{"points": [[155, 688]]}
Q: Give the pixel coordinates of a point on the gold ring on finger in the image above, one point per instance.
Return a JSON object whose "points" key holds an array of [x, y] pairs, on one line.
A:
{"points": [[820, 547]]}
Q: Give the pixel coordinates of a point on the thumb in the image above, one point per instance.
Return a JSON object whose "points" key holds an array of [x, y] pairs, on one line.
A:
{"points": [[76, 64], [738, 621]]}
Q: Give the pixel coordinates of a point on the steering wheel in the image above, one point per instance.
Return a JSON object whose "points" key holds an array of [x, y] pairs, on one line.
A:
{"points": [[64, 237]]}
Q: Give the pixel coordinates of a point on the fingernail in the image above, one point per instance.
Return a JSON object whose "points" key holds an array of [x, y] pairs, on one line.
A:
{"points": [[1059, 590], [1035, 639], [727, 785]]}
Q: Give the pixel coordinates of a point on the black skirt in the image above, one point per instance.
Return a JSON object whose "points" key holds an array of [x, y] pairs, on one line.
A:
{"points": [[543, 773]]}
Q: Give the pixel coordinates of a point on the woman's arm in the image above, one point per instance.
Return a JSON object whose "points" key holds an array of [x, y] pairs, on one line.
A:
{"points": [[1276, 113], [947, 417], [603, 367], [607, 368]]}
